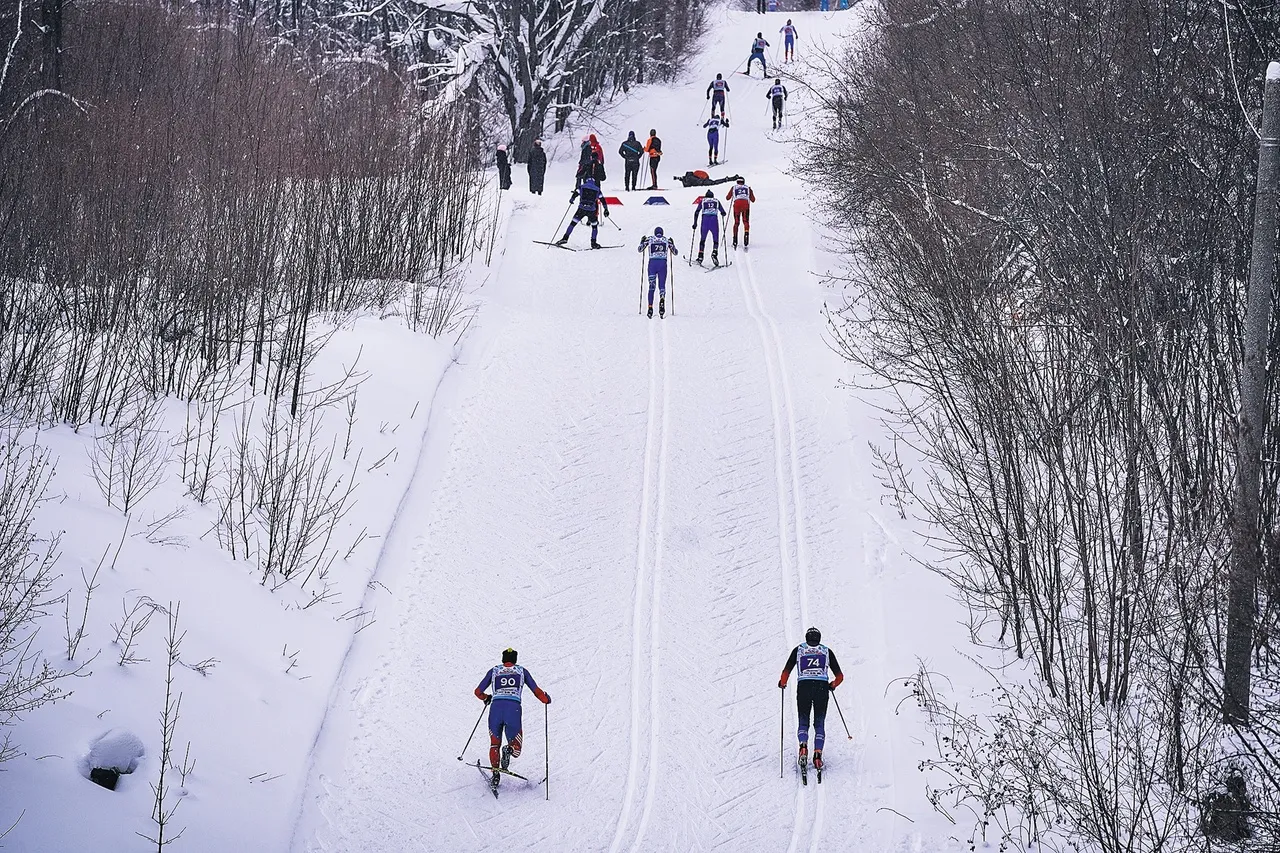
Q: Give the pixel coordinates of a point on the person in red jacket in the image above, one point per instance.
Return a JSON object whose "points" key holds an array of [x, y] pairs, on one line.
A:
{"points": [[596, 147], [742, 197]]}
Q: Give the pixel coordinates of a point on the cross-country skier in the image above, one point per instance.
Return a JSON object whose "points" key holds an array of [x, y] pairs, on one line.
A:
{"points": [[777, 94], [758, 45], [589, 198], [716, 91], [507, 682], [713, 126], [661, 248], [653, 147], [742, 197], [812, 690], [709, 210], [631, 151], [788, 41]]}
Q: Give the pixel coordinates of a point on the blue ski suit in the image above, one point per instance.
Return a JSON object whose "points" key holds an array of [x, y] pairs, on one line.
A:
{"points": [[661, 249]]}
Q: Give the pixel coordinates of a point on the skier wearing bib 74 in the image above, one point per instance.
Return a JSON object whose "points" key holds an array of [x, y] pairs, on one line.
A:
{"points": [[812, 690], [507, 681]]}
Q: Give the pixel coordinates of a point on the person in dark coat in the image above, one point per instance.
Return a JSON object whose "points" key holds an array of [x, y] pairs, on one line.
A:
{"points": [[631, 150], [504, 168], [537, 167], [699, 178]]}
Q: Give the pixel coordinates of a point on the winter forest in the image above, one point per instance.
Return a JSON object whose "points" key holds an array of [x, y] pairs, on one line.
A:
{"points": [[313, 401]]}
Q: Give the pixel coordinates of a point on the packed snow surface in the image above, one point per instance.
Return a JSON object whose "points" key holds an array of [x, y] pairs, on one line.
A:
{"points": [[651, 512]]}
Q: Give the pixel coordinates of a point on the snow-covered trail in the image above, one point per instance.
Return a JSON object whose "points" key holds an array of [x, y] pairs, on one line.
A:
{"points": [[651, 511]]}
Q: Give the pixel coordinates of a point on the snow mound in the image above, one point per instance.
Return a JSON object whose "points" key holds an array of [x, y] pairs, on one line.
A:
{"points": [[117, 749]]}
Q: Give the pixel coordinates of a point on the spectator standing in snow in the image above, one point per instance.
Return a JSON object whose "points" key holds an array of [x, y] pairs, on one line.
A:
{"points": [[653, 147], [537, 167], [504, 168], [631, 151]]}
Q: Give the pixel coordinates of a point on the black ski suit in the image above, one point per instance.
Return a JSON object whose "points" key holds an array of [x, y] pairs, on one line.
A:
{"points": [[537, 169], [504, 169]]}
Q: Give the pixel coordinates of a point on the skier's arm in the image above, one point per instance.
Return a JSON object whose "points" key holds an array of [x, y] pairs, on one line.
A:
{"points": [[786, 670], [752, 195], [784, 93], [671, 244], [644, 241], [543, 696], [709, 87], [835, 667], [484, 683], [604, 204]]}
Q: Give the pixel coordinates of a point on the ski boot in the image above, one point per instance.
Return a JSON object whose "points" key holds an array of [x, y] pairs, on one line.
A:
{"points": [[506, 757], [817, 760], [493, 782], [650, 310], [746, 240], [595, 245], [715, 257], [698, 260], [662, 307], [804, 763], [563, 240], [735, 242]]}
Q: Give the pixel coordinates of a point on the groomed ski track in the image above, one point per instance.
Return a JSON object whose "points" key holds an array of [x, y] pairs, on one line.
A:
{"points": [[651, 511]]}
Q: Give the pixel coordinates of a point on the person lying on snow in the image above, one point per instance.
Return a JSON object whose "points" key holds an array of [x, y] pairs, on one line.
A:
{"points": [[699, 178]]}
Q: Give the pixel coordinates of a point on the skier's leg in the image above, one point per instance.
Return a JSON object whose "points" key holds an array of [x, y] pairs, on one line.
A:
{"points": [[746, 226], [495, 732], [804, 702], [653, 282], [820, 699], [662, 283]]}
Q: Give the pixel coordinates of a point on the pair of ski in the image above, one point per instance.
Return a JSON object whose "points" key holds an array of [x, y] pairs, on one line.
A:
{"points": [[570, 248], [804, 771], [492, 775]]}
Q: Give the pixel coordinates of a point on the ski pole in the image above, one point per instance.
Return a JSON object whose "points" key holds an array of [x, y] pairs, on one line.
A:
{"points": [[640, 310], [689, 257], [473, 731], [609, 219], [546, 747], [841, 713], [782, 734], [725, 148], [671, 269]]}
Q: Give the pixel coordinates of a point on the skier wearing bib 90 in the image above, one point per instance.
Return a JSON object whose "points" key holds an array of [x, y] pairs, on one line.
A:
{"points": [[709, 210], [716, 91], [507, 681], [812, 690], [661, 248], [758, 44]]}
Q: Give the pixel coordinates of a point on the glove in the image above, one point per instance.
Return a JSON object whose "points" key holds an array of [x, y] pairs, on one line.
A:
{"points": [[782, 685], [547, 701], [487, 699], [573, 195], [694, 226], [606, 214], [831, 686]]}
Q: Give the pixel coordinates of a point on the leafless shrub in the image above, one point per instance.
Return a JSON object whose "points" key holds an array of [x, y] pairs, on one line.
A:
{"points": [[128, 460], [134, 619], [164, 804], [27, 680], [75, 628]]}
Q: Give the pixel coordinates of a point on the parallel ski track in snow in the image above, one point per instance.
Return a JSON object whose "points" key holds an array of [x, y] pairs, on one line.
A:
{"points": [[646, 610], [791, 514]]}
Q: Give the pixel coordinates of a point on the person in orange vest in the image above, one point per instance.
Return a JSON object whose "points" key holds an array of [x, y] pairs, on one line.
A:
{"points": [[742, 197], [653, 147]]}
